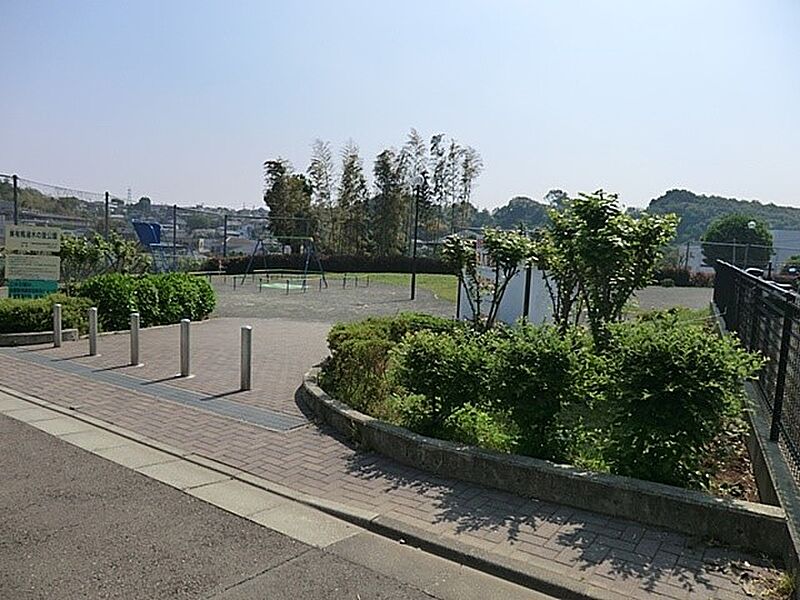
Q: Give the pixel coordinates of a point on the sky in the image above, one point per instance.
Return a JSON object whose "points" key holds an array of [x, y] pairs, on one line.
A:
{"points": [[183, 101]]}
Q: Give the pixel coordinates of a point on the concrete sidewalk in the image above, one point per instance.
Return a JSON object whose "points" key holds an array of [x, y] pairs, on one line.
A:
{"points": [[75, 525], [198, 416]]}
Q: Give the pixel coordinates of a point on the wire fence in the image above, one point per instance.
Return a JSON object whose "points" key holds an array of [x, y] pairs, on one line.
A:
{"points": [[765, 315]]}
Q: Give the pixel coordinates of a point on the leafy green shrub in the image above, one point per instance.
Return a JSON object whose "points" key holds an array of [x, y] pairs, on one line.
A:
{"points": [[667, 282], [21, 316], [534, 376], [476, 426], [672, 388], [160, 299], [449, 370], [355, 372]]}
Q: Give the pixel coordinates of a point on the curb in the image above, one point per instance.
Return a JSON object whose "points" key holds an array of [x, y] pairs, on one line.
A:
{"points": [[532, 574], [756, 527]]}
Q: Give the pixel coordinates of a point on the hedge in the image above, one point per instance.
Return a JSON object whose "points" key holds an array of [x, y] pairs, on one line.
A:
{"points": [[21, 316], [160, 299], [335, 264]]}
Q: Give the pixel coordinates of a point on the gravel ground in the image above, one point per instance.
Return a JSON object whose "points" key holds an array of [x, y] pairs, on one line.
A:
{"points": [[330, 305]]}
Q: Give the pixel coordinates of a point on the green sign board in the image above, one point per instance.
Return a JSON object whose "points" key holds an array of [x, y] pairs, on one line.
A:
{"points": [[31, 288]]}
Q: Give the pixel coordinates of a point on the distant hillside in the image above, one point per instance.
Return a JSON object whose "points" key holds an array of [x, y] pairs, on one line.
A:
{"points": [[696, 212]]}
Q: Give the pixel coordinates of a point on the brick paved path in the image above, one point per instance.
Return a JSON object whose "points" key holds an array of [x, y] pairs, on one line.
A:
{"points": [[612, 553]]}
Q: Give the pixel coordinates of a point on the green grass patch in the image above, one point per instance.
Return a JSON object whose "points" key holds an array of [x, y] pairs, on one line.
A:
{"points": [[443, 286]]}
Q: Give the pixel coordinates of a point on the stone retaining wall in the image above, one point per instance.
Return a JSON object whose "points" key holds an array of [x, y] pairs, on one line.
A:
{"points": [[755, 527]]}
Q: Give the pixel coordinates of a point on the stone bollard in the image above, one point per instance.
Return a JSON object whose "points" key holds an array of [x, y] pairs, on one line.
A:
{"points": [[185, 361], [56, 325], [246, 363], [92, 331], [134, 339]]}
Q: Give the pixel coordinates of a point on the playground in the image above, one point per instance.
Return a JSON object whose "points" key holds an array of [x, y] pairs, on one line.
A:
{"points": [[347, 297]]}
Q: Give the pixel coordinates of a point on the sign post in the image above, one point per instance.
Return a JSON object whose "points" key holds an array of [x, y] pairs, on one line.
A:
{"points": [[32, 270]]}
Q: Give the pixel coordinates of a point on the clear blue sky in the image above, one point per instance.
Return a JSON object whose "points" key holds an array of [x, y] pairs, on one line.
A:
{"points": [[183, 101]]}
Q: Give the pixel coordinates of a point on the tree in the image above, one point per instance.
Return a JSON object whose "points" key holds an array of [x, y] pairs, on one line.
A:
{"points": [[388, 206], [606, 253], [288, 197], [321, 176], [556, 199], [352, 201], [83, 257], [507, 252], [520, 210], [738, 239]]}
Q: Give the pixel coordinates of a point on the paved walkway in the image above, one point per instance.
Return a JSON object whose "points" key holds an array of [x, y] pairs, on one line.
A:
{"points": [[611, 553]]}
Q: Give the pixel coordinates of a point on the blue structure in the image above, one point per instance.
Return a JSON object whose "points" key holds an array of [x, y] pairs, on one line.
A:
{"points": [[149, 235]]}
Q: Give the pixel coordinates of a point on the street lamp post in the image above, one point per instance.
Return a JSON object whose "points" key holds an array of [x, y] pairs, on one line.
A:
{"points": [[418, 182]]}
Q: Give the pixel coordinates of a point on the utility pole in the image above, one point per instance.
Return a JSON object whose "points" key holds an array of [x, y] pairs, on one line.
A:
{"points": [[105, 219], [16, 199]]}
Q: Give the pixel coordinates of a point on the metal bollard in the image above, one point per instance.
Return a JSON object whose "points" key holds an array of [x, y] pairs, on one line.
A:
{"points": [[260, 284], [287, 287], [320, 284], [305, 285], [246, 365], [234, 283], [185, 362], [356, 280], [93, 331], [344, 281], [56, 325], [367, 280], [134, 339]]}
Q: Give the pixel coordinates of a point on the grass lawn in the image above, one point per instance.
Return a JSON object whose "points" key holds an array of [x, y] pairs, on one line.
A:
{"points": [[444, 286]]}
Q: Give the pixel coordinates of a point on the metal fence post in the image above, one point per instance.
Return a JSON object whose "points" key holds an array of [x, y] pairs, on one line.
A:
{"points": [[56, 325], [93, 331], [780, 385], [105, 218], [15, 182], [224, 236], [174, 237], [754, 316], [246, 365], [185, 361], [134, 339]]}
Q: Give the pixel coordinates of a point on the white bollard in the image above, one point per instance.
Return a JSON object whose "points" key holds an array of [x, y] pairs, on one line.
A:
{"points": [[134, 339], [185, 362], [56, 325], [93, 331], [246, 365]]}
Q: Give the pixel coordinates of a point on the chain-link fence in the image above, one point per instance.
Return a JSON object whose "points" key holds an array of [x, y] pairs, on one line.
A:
{"points": [[765, 315]]}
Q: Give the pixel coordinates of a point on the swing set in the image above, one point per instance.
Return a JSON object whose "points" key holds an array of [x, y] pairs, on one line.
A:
{"points": [[311, 260]]}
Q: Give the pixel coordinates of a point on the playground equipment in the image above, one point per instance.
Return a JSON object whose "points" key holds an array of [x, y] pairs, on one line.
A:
{"points": [[164, 255], [309, 251]]}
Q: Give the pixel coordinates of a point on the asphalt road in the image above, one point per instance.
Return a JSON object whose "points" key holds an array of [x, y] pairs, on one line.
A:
{"points": [[75, 525]]}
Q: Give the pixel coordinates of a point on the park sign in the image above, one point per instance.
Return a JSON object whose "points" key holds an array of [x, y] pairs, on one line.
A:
{"points": [[33, 267], [32, 238]]}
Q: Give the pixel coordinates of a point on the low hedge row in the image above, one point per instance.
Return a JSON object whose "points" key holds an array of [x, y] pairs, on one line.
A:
{"points": [[649, 405], [22, 316], [335, 264], [160, 299]]}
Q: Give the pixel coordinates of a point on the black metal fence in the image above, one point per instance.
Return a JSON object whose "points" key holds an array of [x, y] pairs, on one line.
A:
{"points": [[766, 318]]}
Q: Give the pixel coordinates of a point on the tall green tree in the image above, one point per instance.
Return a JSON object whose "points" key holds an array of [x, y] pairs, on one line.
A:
{"points": [[738, 239], [288, 197], [605, 252], [321, 177], [352, 202], [388, 207]]}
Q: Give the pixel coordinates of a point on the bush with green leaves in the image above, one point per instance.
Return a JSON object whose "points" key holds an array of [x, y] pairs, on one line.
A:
{"points": [[673, 386], [19, 315], [160, 299], [648, 403], [355, 371]]}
